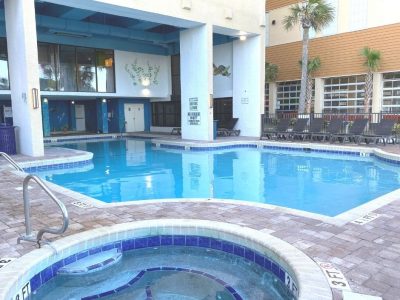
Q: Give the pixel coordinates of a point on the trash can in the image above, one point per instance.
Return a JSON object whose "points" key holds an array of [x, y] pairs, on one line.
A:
{"points": [[215, 128], [7, 139]]}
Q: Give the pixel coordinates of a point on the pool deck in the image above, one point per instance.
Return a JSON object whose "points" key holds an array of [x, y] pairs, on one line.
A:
{"points": [[368, 255]]}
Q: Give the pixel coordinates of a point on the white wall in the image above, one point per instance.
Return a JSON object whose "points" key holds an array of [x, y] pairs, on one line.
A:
{"points": [[124, 83], [223, 84], [197, 83], [248, 84]]}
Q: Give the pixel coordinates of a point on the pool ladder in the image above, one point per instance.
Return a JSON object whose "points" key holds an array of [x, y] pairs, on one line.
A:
{"points": [[29, 236]]}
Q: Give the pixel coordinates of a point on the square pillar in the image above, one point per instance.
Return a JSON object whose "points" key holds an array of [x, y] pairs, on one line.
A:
{"points": [[273, 88], [248, 84], [24, 75], [377, 93], [196, 47], [46, 117], [102, 116], [319, 95]]}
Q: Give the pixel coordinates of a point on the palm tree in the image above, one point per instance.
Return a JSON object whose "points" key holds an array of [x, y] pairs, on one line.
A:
{"points": [[315, 14], [271, 72], [313, 65], [372, 60]]}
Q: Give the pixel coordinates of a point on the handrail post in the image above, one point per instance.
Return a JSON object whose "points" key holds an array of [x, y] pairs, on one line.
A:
{"points": [[54, 230], [11, 161], [27, 207]]}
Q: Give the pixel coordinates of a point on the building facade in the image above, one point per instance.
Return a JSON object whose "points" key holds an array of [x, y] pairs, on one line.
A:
{"points": [[105, 66], [339, 83]]}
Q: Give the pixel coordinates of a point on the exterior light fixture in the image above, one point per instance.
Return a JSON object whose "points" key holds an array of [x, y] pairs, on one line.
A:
{"points": [[104, 100], [242, 35], [72, 102], [146, 92], [145, 82], [35, 98], [45, 100]]}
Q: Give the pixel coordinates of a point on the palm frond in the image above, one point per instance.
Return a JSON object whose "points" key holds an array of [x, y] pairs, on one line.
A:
{"points": [[372, 58]]}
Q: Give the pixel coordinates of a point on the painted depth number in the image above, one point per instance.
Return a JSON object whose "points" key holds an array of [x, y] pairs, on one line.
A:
{"points": [[335, 277], [291, 285]]}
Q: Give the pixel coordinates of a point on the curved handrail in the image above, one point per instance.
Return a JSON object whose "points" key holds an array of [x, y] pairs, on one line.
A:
{"points": [[11, 161], [53, 230]]}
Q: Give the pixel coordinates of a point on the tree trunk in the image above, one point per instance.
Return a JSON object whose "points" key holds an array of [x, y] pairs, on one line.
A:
{"points": [[368, 91], [304, 69], [309, 94]]}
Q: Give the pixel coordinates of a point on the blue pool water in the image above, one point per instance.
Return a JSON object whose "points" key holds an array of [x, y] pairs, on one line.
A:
{"points": [[131, 169]]}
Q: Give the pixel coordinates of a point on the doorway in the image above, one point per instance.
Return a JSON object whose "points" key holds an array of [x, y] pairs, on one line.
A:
{"points": [[80, 117], [134, 117]]}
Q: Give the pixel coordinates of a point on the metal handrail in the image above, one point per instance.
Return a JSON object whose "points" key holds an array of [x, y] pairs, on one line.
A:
{"points": [[54, 230], [11, 161]]}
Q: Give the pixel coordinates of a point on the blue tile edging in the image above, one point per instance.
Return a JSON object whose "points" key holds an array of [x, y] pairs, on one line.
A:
{"points": [[59, 166], [203, 148], [171, 240]]}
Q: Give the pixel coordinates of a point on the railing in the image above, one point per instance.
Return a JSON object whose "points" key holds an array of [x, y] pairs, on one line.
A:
{"points": [[271, 120], [54, 230], [11, 161]]}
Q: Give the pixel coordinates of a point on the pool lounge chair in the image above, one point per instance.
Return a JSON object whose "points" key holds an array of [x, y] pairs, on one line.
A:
{"points": [[298, 129], [229, 128], [355, 132], [334, 127], [383, 131], [316, 126], [281, 128], [176, 131]]}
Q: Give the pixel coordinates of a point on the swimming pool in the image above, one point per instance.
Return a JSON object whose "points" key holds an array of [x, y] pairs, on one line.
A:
{"points": [[323, 183]]}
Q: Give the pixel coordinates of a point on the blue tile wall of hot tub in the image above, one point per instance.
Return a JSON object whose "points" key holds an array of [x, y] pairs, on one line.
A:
{"points": [[167, 240]]}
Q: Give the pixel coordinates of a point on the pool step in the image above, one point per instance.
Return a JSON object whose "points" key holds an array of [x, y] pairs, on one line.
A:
{"points": [[92, 263]]}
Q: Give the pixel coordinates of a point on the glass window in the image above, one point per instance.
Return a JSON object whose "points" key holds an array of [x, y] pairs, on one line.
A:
{"points": [[391, 92], [349, 90], [4, 81], [105, 71], [67, 69], [86, 65], [47, 67]]}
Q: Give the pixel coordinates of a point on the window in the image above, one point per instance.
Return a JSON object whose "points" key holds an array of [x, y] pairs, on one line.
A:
{"points": [[166, 114], [391, 92], [105, 71], [67, 69], [288, 95], [344, 94], [86, 66], [4, 81], [266, 101], [47, 67], [76, 69]]}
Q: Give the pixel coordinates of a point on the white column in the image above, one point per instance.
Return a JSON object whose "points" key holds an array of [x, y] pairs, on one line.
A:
{"points": [[319, 96], [24, 75], [273, 88], [377, 93], [248, 84], [196, 46]]}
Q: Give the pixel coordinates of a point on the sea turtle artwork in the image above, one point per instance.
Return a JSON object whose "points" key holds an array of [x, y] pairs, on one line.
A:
{"points": [[221, 70]]}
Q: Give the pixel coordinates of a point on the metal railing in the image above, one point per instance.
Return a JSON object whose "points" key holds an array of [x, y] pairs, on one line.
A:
{"points": [[270, 120], [29, 236], [11, 161]]}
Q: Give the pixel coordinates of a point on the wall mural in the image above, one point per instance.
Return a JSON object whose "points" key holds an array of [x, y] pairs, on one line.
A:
{"points": [[143, 75], [221, 70]]}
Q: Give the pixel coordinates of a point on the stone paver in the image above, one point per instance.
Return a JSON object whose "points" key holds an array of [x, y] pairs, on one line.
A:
{"points": [[369, 255]]}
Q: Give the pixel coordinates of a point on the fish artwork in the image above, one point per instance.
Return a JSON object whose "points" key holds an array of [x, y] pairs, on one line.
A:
{"points": [[221, 70]]}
